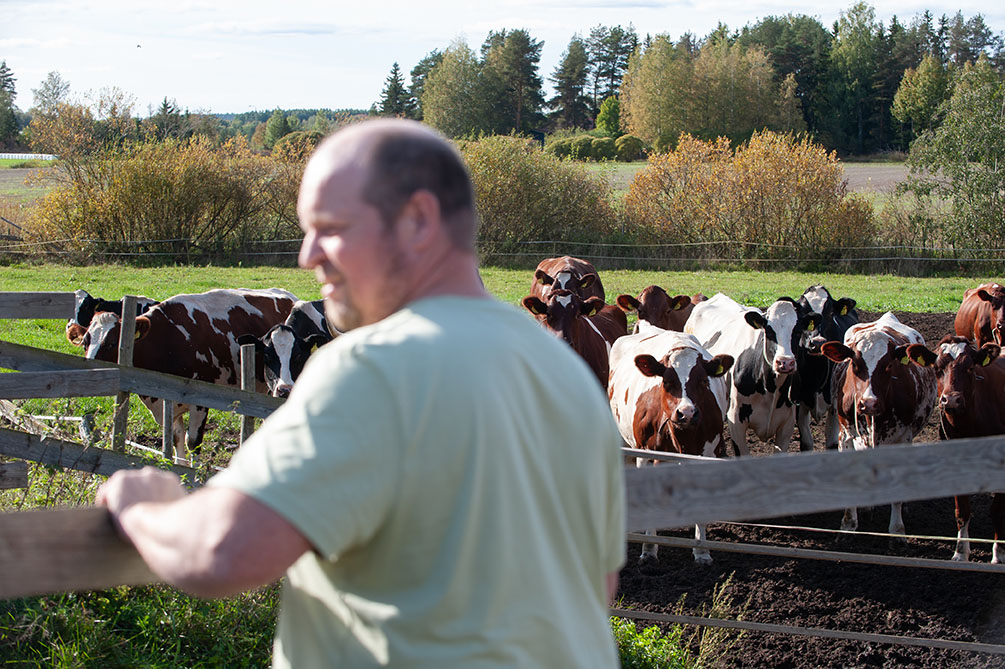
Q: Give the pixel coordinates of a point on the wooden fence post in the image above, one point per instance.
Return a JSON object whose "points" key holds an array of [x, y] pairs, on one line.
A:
{"points": [[13, 475], [127, 334], [247, 383], [167, 430]]}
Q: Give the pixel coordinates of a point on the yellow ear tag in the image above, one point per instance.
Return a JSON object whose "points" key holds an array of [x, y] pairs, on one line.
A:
{"points": [[844, 311], [986, 361], [136, 335], [905, 360], [718, 370]]}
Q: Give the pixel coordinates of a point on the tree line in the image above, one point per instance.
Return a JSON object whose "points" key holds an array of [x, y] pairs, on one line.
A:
{"points": [[840, 84]]}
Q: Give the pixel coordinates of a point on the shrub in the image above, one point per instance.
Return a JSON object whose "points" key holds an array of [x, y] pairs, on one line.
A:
{"points": [[628, 148], [560, 148], [525, 194], [603, 148], [776, 196], [581, 147], [297, 146], [650, 648]]}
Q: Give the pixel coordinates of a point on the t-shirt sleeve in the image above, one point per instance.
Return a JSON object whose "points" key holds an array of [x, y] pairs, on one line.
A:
{"points": [[328, 459]]}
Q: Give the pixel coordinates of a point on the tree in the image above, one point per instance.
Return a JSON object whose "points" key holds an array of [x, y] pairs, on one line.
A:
{"points": [[418, 76], [510, 67], [275, 128], [656, 92], [609, 117], [167, 122], [53, 91], [7, 79], [609, 50], [922, 91], [452, 98], [854, 68], [570, 102], [964, 156], [394, 99], [8, 115]]}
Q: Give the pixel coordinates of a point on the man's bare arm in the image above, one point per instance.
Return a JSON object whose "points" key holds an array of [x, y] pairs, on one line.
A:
{"points": [[212, 543]]}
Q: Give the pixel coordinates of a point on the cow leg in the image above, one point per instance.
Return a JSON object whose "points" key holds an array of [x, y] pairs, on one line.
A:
{"points": [[850, 520], [701, 555], [998, 523], [803, 421], [196, 428], [738, 433], [178, 432], [783, 438], [897, 522], [831, 430], [963, 514], [649, 551]]}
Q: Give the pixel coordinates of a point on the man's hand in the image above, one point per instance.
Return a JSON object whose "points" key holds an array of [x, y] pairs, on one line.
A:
{"points": [[126, 488]]}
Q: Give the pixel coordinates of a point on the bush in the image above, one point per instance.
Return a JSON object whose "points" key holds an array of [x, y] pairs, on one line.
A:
{"points": [[560, 148], [525, 194], [581, 147], [297, 146], [603, 148], [650, 648], [776, 196], [629, 148]]}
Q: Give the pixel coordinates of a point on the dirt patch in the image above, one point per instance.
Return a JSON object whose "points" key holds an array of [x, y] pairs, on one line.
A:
{"points": [[862, 598], [879, 178]]}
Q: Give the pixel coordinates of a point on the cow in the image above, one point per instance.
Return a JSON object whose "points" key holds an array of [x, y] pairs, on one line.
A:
{"points": [[86, 306], [193, 336], [763, 345], [879, 396], [589, 325], [656, 309], [971, 394], [567, 273], [981, 315], [282, 351], [667, 394], [813, 370]]}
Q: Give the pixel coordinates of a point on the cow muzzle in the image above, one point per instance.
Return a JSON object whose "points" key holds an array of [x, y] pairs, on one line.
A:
{"points": [[685, 414], [869, 406], [952, 402], [785, 365]]}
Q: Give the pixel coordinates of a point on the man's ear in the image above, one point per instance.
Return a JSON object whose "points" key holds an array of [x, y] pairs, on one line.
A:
{"points": [[419, 222]]}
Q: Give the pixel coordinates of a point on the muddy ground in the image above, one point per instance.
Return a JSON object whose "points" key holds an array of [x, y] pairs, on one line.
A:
{"points": [[863, 598]]}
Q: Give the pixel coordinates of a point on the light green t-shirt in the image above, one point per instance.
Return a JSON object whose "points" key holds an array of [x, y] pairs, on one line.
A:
{"points": [[458, 472]]}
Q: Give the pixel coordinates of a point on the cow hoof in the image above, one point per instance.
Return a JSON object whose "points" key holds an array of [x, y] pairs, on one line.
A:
{"points": [[648, 559], [995, 560], [704, 560], [960, 557], [849, 527], [897, 543]]}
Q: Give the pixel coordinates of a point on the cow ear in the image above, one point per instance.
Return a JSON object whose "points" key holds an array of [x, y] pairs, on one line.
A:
{"points": [[901, 355], [592, 306], [921, 355], [627, 303], [247, 338], [316, 341], [542, 277], [679, 302], [534, 305], [813, 321], [755, 320], [718, 365], [587, 280], [836, 351], [989, 353], [984, 295], [844, 305], [649, 365], [142, 327]]}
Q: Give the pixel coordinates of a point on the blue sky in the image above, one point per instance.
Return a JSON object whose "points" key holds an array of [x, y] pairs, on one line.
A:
{"points": [[227, 56]]}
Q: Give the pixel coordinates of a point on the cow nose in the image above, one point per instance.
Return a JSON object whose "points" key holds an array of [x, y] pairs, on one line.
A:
{"points": [[951, 401], [785, 365], [283, 391], [685, 414], [868, 406]]}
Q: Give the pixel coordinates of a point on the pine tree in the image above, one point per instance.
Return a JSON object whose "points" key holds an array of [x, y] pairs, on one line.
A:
{"points": [[394, 99]]}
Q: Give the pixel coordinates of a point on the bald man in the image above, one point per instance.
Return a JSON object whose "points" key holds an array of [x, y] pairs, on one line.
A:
{"points": [[432, 491]]}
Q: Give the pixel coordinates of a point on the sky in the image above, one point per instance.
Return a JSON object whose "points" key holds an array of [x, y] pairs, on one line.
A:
{"points": [[230, 56]]}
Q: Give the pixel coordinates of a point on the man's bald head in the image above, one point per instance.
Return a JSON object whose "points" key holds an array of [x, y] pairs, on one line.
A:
{"points": [[398, 158]]}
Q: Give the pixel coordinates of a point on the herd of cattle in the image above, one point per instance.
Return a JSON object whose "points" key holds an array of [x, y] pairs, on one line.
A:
{"points": [[692, 367]]}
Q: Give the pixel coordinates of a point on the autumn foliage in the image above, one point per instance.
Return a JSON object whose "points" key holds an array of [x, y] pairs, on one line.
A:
{"points": [[774, 196]]}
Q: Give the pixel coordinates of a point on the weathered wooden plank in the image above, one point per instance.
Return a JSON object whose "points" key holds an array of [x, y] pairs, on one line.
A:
{"points": [[66, 454], [65, 550], [785, 484], [247, 383], [144, 381], [13, 475], [36, 305], [69, 383], [127, 338]]}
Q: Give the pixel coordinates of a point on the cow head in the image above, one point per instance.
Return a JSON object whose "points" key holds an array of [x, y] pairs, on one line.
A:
{"points": [[685, 378], [874, 362], [83, 312], [280, 356], [786, 329], [561, 312], [101, 340], [835, 315], [996, 299], [958, 367], [567, 279], [655, 307]]}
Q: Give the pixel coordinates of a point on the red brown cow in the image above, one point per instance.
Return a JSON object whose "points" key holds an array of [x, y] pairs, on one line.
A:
{"points": [[884, 399], [668, 394], [195, 337], [971, 388], [981, 315], [589, 326], [567, 273], [657, 309], [86, 306]]}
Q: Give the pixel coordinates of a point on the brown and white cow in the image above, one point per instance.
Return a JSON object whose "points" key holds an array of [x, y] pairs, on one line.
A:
{"points": [[193, 336], [667, 394], [971, 390], [567, 273], [879, 396], [85, 306], [981, 315], [763, 345], [656, 309], [589, 326]]}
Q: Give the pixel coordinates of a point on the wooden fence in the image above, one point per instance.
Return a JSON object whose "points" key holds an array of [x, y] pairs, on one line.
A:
{"points": [[66, 550]]}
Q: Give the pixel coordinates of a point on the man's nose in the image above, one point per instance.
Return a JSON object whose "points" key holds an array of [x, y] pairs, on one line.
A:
{"points": [[308, 251]]}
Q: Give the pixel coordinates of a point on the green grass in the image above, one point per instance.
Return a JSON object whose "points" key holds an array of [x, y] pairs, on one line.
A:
{"points": [[20, 163]]}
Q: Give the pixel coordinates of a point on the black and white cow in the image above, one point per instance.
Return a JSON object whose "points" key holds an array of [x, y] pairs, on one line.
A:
{"points": [[813, 370], [193, 336], [282, 352], [86, 306], [763, 345]]}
